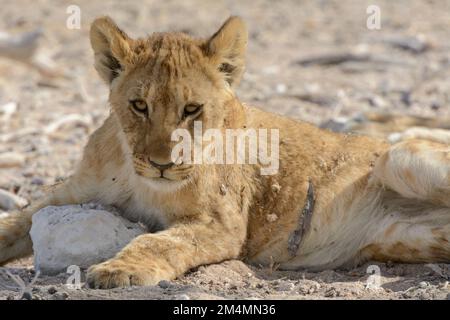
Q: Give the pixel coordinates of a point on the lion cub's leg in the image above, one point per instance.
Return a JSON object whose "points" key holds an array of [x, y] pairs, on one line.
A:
{"points": [[417, 169], [15, 241], [412, 232], [168, 254], [415, 224]]}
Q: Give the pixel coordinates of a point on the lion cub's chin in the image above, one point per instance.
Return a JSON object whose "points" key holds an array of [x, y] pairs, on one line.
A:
{"points": [[164, 185]]}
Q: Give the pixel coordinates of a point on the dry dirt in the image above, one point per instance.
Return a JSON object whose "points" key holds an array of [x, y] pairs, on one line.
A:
{"points": [[404, 69]]}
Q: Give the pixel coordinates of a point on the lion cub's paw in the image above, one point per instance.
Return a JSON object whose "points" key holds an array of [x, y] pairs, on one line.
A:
{"points": [[117, 273]]}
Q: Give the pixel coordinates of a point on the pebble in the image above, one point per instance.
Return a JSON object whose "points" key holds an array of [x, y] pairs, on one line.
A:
{"points": [[26, 296], [423, 284], [182, 297], [10, 201], [60, 296], [52, 290], [11, 159], [276, 187], [164, 284], [285, 286], [271, 217], [331, 293], [281, 88], [7, 110], [37, 181], [223, 189], [425, 296]]}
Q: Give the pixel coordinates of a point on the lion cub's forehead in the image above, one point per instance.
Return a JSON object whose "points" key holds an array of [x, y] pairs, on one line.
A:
{"points": [[164, 61], [175, 50]]}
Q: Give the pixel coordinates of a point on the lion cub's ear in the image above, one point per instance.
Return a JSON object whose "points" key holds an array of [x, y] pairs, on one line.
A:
{"points": [[111, 48], [227, 49]]}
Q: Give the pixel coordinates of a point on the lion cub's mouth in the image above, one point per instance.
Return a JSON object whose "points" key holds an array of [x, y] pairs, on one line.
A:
{"points": [[174, 174]]}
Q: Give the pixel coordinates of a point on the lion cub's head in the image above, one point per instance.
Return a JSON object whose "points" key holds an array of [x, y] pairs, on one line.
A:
{"points": [[163, 83]]}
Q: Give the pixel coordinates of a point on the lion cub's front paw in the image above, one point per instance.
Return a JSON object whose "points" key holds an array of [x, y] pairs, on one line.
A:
{"points": [[116, 273]]}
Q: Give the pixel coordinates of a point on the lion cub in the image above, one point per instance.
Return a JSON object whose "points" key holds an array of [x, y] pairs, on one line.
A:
{"points": [[334, 200]]}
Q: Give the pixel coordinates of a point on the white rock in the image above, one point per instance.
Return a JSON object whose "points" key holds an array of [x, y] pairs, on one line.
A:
{"points": [[281, 88], [80, 235], [7, 110], [11, 159], [9, 201]]}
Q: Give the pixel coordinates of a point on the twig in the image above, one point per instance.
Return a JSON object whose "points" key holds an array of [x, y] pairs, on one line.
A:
{"points": [[296, 236]]}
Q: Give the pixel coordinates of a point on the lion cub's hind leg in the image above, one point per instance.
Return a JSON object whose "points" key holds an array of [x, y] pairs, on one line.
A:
{"points": [[411, 231], [417, 169], [415, 222]]}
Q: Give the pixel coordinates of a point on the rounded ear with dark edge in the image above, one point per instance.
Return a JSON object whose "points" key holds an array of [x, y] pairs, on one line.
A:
{"points": [[227, 48], [111, 48]]}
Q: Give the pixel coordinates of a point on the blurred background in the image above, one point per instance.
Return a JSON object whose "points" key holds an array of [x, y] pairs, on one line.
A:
{"points": [[317, 61]]}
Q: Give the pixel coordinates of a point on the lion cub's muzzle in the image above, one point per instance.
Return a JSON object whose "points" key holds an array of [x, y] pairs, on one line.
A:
{"points": [[148, 168]]}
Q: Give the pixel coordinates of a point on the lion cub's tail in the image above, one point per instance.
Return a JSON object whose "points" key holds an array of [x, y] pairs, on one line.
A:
{"points": [[15, 241]]}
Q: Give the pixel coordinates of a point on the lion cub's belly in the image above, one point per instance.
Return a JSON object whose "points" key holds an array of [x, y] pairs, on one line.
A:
{"points": [[334, 234]]}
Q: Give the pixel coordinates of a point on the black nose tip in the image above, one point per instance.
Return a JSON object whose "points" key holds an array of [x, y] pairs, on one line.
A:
{"points": [[161, 167]]}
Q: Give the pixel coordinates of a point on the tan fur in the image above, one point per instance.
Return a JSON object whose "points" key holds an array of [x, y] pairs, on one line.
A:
{"points": [[372, 201]]}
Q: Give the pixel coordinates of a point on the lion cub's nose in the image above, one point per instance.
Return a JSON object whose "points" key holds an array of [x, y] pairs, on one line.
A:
{"points": [[161, 167]]}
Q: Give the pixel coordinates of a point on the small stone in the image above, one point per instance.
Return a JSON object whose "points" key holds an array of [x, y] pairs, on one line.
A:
{"points": [[9, 201], [303, 289], [26, 296], [435, 105], [271, 217], [60, 296], [425, 296], [276, 187], [7, 110], [37, 181], [182, 297], [285, 286], [423, 284], [164, 284], [223, 189], [11, 159], [52, 290], [281, 88], [331, 293], [407, 295]]}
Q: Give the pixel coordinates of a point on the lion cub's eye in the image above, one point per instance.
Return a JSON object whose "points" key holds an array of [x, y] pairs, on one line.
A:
{"points": [[192, 110], [139, 106]]}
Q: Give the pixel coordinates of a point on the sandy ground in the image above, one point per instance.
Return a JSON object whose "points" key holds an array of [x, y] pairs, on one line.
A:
{"points": [[405, 69]]}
